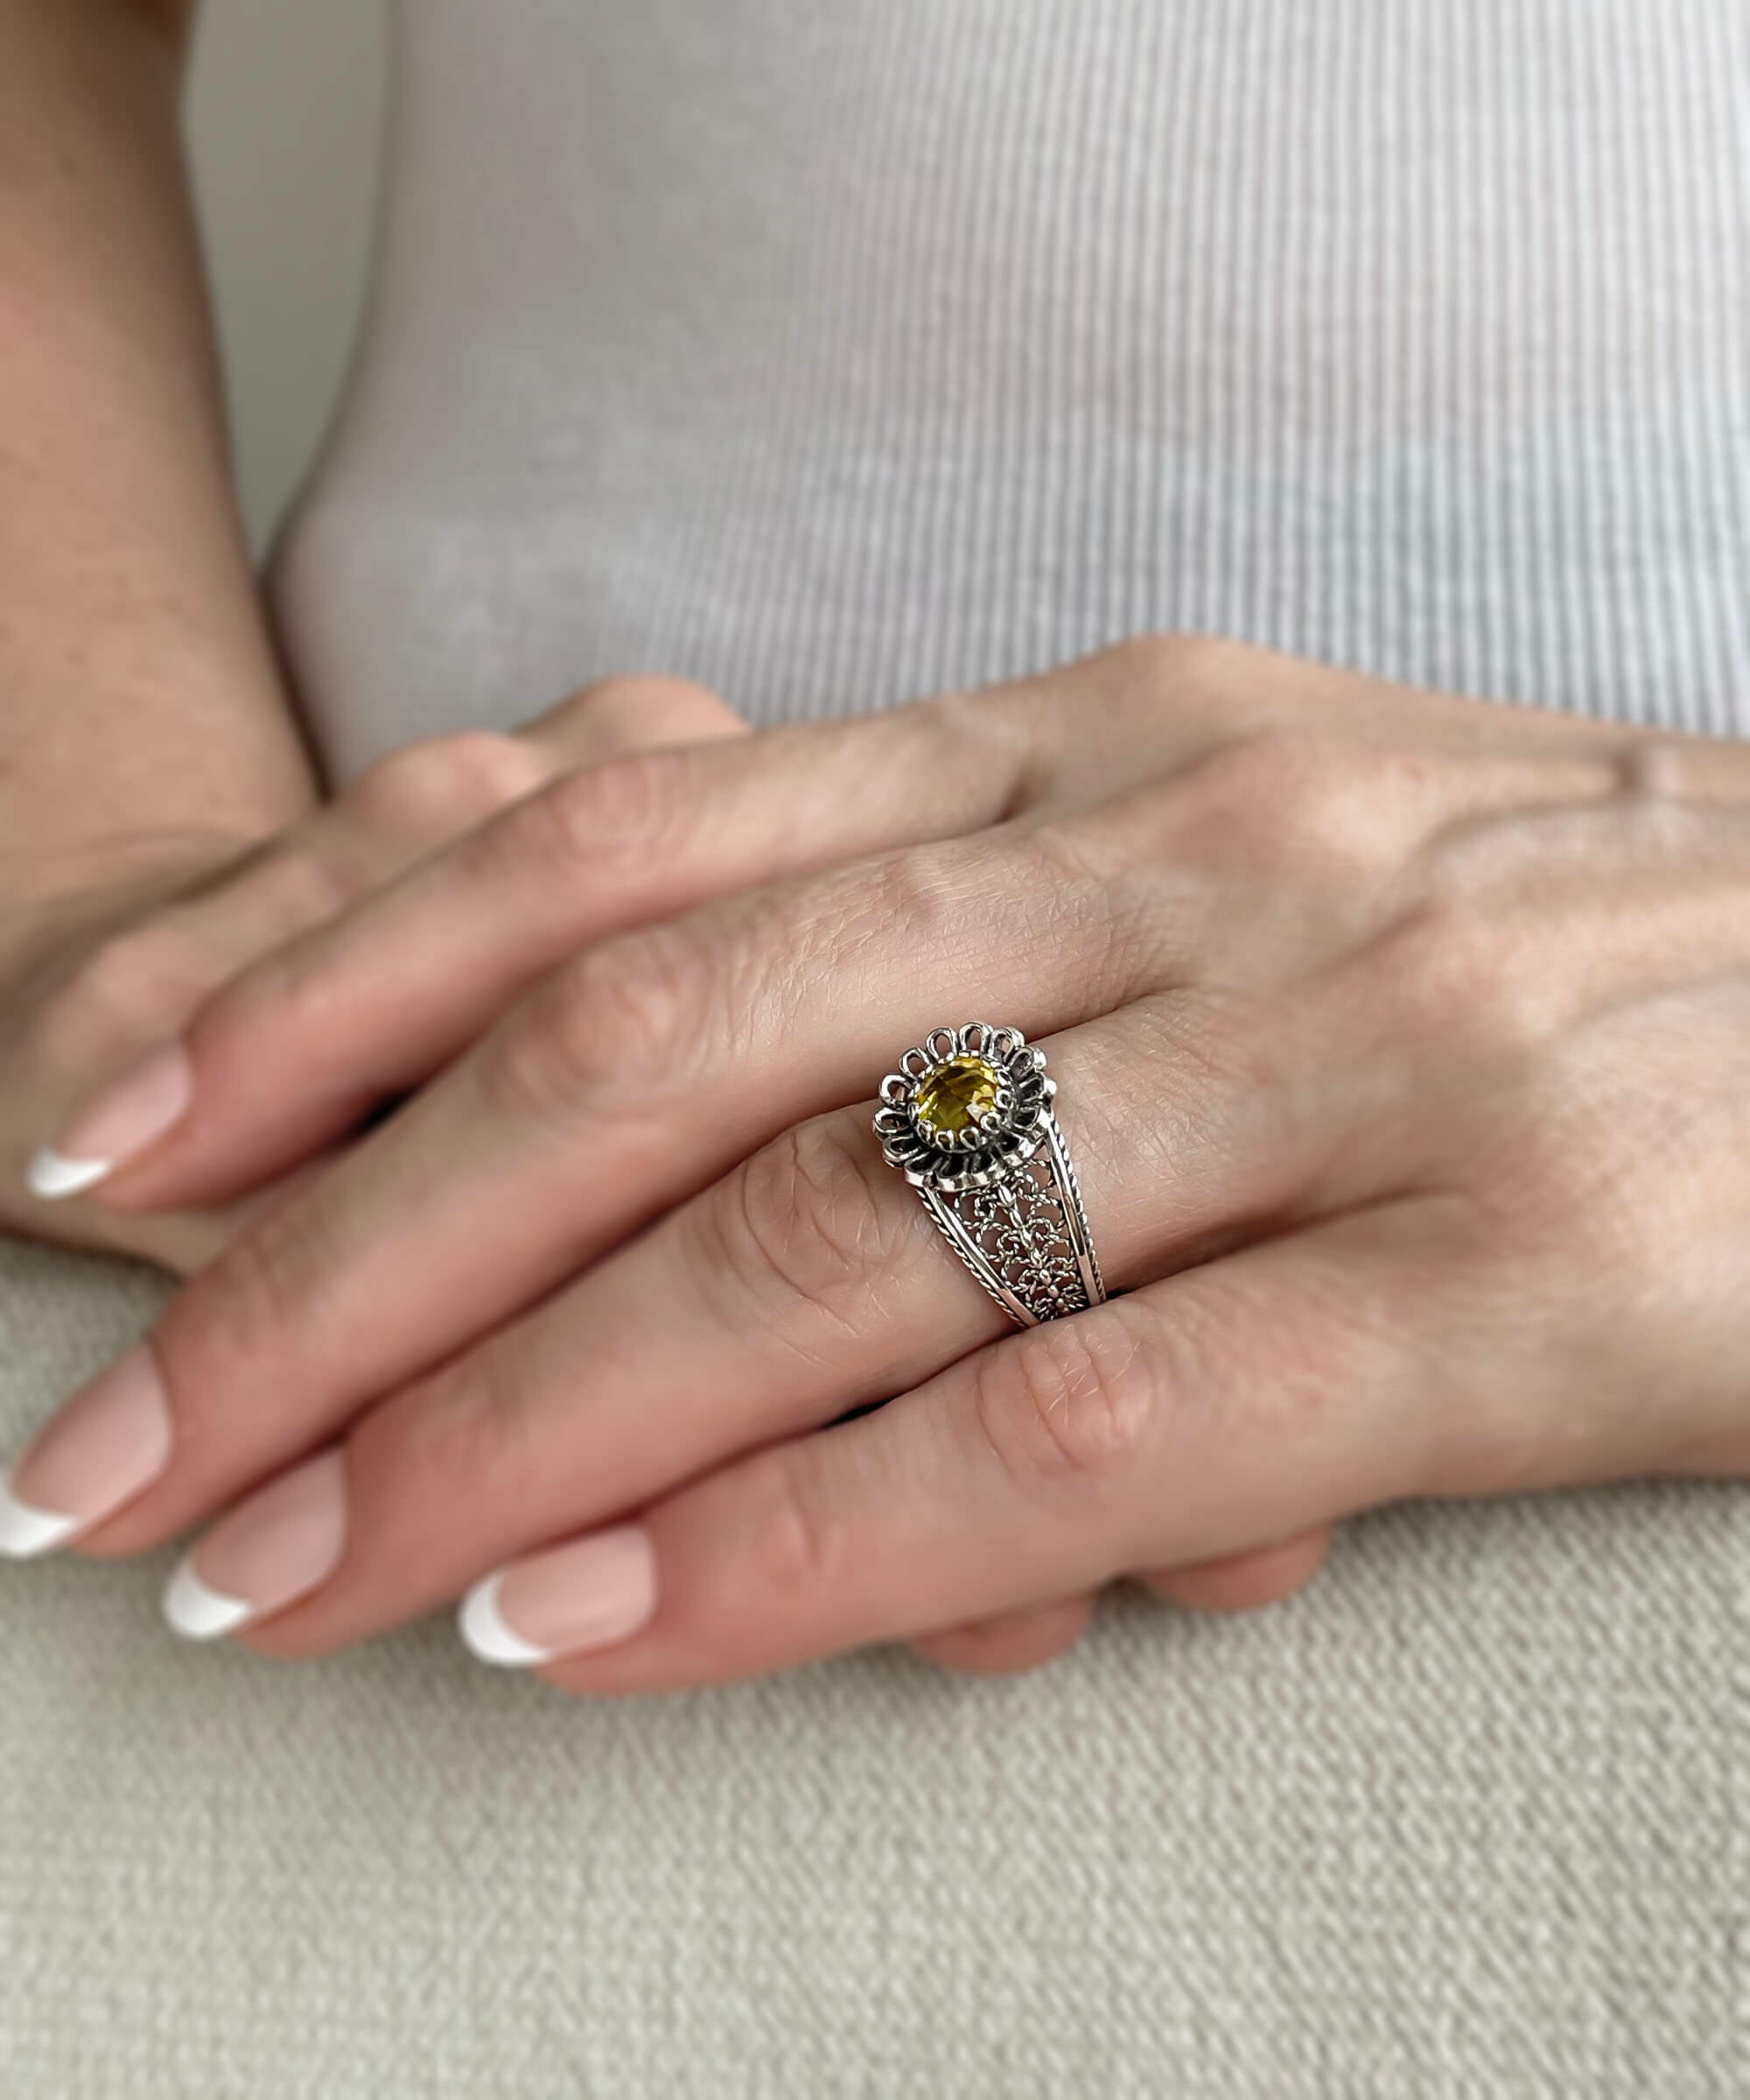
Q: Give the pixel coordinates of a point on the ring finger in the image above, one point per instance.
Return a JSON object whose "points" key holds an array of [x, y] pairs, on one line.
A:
{"points": [[808, 1282]]}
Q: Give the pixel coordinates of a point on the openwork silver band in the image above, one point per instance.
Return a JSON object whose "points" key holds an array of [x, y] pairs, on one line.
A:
{"points": [[967, 1118]]}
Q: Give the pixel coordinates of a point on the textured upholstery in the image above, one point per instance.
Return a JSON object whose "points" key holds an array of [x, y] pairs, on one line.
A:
{"points": [[1466, 1820]]}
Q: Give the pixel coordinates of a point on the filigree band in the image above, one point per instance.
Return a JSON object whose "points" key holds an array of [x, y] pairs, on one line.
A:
{"points": [[968, 1120]]}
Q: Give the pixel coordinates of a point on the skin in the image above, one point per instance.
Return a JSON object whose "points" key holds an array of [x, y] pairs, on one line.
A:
{"points": [[1402, 1043], [101, 977], [162, 830], [145, 738], [144, 732], [162, 822]]}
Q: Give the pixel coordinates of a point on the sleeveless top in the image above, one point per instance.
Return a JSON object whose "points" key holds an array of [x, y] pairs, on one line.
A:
{"points": [[834, 354]]}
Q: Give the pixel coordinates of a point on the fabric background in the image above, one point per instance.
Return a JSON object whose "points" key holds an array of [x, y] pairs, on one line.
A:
{"points": [[835, 355], [770, 343], [1466, 1820]]}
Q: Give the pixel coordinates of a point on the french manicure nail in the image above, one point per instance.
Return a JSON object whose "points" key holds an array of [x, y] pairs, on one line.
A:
{"points": [[575, 1597], [124, 1120], [263, 1555], [111, 1439]]}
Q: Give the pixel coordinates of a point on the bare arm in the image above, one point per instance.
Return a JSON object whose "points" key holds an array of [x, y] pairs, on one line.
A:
{"points": [[143, 725]]}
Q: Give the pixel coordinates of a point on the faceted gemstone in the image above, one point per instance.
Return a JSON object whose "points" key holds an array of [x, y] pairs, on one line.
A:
{"points": [[957, 1093]]}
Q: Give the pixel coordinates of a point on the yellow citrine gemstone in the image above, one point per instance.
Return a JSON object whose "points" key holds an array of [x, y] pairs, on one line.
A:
{"points": [[956, 1094]]}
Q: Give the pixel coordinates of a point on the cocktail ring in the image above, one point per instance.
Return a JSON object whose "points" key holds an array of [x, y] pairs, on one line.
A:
{"points": [[967, 1119]]}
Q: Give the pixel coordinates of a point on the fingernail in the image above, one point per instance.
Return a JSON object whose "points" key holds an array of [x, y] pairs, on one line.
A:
{"points": [[575, 1597], [124, 1119], [264, 1554], [111, 1439]]}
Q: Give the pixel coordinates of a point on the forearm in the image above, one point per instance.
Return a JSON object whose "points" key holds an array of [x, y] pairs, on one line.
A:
{"points": [[141, 710]]}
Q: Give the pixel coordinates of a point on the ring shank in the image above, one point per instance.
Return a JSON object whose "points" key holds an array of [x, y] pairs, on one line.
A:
{"points": [[1026, 1239]]}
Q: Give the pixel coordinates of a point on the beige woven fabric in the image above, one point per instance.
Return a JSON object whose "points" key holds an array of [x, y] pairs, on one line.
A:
{"points": [[835, 355], [1467, 1820]]}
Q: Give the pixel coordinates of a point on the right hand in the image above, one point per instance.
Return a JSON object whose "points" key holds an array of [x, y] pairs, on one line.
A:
{"points": [[285, 1054], [114, 964]]}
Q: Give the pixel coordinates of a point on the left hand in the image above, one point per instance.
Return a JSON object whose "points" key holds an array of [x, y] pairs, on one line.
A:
{"points": [[1403, 1046]]}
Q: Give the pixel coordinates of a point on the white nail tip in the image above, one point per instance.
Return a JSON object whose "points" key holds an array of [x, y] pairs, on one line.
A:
{"points": [[53, 1175], [198, 1613], [25, 1531], [487, 1637]]}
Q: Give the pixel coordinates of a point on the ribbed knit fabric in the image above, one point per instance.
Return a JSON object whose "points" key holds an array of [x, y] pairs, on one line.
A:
{"points": [[835, 354]]}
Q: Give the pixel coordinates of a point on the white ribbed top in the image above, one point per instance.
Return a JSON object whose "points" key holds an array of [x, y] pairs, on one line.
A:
{"points": [[836, 354]]}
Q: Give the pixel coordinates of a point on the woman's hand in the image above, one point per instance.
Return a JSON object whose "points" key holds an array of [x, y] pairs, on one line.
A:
{"points": [[1402, 1043], [115, 966]]}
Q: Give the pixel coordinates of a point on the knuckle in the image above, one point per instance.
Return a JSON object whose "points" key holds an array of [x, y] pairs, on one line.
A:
{"points": [[623, 1021], [794, 1551], [297, 991], [911, 892], [295, 994], [259, 1302], [640, 1003], [625, 811], [637, 701], [1101, 900], [1279, 775], [1076, 852], [443, 785], [1168, 658], [1453, 975], [138, 983], [643, 710], [914, 890], [807, 1220], [309, 878], [992, 733], [1070, 1404], [474, 1425], [1302, 799], [1202, 678], [133, 975]]}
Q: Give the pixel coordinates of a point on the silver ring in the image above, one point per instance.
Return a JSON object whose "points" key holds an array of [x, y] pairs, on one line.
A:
{"points": [[968, 1120]]}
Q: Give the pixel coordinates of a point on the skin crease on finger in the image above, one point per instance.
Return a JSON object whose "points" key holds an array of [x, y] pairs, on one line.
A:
{"points": [[1325, 829]]}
